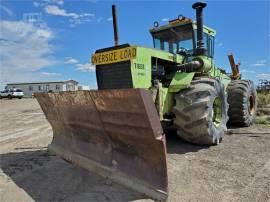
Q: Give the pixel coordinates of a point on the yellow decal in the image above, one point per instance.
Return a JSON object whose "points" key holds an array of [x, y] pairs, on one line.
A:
{"points": [[114, 56]]}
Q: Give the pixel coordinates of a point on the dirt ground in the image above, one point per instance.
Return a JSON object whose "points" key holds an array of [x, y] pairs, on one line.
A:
{"points": [[238, 169]]}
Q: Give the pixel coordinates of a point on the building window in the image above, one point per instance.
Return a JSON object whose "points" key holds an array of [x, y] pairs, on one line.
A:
{"points": [[39, 88], [30, 88], [47, 87], [57, 87], [69, 87]]}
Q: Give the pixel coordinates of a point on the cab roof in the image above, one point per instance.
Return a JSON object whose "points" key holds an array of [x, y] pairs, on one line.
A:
{"points": [[181, 22]]}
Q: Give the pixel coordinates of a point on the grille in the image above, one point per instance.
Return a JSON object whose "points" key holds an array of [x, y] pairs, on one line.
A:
{"points": [[114, 76]]}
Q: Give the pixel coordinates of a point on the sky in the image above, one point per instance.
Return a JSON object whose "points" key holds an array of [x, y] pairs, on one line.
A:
{"points": [[51, 40]]}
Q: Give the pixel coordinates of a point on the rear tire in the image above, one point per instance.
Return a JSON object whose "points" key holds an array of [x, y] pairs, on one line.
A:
{"points": [[242, 99], [201, 112], [9, 97]]}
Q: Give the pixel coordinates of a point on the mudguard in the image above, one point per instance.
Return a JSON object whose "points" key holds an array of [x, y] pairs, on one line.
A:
{"points": [[115, 133]]}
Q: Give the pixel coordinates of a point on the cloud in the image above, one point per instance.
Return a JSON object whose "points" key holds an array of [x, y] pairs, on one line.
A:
{"points": [[263, 76], [42, 3], [70, 60], [53, 7], [50, 74], [247, 71], [87, 67], [24, 50], [59, 2], [219, 44], [36, 4], [7, 10], [55, 10], [165, 20], [259, 63], [74, 18], [109, 19]]}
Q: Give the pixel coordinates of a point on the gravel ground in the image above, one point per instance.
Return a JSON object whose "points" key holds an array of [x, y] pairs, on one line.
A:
{"points": [[238, 169]]}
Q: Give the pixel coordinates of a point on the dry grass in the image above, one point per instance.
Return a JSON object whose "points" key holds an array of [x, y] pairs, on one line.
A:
{"points": [[263, 99], [263, 120], [263, 111]]}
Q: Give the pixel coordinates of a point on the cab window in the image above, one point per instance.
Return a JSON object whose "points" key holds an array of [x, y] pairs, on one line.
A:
{"points": [[175, 39]]}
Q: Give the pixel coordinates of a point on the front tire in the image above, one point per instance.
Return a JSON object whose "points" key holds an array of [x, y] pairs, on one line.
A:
{"points": [[201, 112], [242, 99]]}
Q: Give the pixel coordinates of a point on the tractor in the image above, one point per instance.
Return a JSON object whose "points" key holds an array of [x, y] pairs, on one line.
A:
{"points": [[118, 130]]}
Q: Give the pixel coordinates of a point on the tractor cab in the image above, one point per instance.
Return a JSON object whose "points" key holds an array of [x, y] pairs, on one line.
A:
{"points": [[179, 37]]}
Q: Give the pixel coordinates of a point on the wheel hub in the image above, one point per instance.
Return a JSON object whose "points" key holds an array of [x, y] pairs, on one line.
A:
{"points": [[251, 105]]}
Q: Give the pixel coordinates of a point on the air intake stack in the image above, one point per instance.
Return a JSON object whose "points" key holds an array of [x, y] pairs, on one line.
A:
{"points": [[200, 50]]}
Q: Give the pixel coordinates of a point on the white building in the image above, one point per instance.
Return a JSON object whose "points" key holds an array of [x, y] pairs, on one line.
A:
{"points": [[52, 86]]}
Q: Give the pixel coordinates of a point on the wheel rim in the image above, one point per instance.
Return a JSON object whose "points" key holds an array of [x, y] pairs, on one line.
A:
{"points": [[217, 112], [251, 105]]}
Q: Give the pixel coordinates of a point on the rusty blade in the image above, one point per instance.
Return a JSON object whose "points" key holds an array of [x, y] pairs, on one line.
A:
{"points": [[115, 133]]}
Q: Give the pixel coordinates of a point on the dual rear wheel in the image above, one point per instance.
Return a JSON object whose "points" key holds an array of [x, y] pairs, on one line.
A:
{"points": [[202, 110], [242, 98]]}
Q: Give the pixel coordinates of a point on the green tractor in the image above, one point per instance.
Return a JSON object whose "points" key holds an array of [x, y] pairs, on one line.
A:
{"points": [[119, 130], [188, 89]]}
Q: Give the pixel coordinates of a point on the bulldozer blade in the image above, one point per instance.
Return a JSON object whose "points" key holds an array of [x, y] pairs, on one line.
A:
{"points": [[115, 133]]}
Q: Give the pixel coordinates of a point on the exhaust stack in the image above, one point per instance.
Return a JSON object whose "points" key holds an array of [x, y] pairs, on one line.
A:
{"points": [[200, 50], [115, 25]]}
